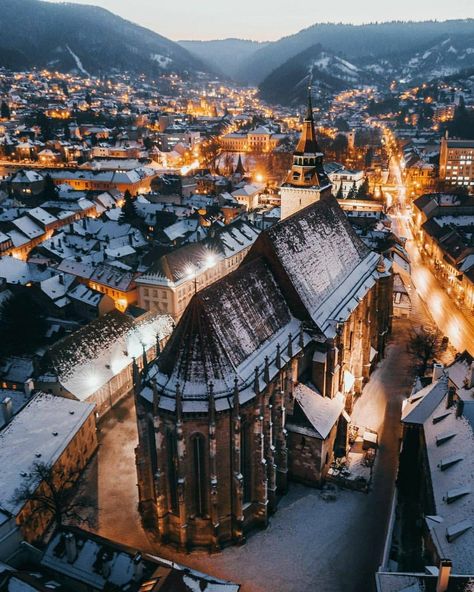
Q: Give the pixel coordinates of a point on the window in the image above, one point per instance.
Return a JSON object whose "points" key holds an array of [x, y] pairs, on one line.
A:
{"points": [[152, 447], [246, 460], [172, 453], [199, 475]]}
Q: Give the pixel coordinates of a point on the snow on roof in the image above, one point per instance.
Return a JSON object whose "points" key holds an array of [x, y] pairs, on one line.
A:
{"points": [[418, 407], [93, 355], [328, 265], [40, 432], [18, 399], [446, 435], [322, 412], [42, 216], [226, 332], [16, 271], [94, 551], [28, 227], [57, 286], [85, 295]]}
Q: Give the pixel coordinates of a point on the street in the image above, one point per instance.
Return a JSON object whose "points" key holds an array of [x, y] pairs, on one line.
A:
{"points": [[448, 317]]}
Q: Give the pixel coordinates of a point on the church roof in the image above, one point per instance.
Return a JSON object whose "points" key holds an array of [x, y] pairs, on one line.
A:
{"points": [[320, 262], [225, 333], [310, 267]]}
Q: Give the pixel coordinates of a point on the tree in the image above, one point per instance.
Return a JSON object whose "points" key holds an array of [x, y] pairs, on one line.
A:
{"points": [[22, 326], [50, 191], [5, 110], [50, 491], [363, 190], [424, 346], [340, 192], [353, 191], [129, 211], [340, 146]]}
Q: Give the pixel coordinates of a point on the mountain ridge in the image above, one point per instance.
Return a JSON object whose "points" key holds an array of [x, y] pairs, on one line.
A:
{"points": [[43, 34]]}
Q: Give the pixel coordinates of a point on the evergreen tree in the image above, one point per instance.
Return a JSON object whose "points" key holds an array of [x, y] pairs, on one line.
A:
{"points": [[5, 110], [340, 193], [67, 132], [22, 327], [50, 191], [353, 191], [363, 191], [129, 210]]}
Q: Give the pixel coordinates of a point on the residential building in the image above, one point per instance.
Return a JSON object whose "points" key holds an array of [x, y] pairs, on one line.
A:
{"points": [[94, 364], [171, 282], [456, 163], [58, 432]]}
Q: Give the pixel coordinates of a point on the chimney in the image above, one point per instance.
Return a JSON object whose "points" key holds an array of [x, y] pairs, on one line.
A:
{"points": [[137, 567], [71, 547], [61, 279], [7, 409], [437, 371], [29, 386], [443, 575]]}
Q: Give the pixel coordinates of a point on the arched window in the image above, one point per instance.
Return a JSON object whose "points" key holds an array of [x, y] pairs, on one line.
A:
{"points": [[246, 460], [199, 476], [152, 446], [172, 453], [305, 161]]}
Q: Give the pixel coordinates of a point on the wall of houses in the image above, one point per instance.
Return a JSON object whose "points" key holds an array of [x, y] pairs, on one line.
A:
{"points": [[33, 524]]}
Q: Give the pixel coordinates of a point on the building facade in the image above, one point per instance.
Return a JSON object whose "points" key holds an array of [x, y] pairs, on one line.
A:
{"points": [[456, 163]]}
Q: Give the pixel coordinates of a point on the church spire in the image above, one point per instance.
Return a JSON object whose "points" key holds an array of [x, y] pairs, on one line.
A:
{"points": [[308, 143]]}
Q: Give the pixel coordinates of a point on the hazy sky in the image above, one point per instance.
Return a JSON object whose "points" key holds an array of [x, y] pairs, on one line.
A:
{"points": [[271, 19]]}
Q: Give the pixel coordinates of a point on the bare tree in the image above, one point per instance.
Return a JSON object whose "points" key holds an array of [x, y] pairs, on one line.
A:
{"points": [[50, 490], [424, 345]]}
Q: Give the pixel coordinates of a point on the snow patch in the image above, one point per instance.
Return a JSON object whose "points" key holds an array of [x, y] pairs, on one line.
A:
{"points": [[79, 65], [163, 61]]}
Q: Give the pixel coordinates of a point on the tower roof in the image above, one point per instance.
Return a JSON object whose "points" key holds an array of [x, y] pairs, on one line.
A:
{"points": [[308, 143]]}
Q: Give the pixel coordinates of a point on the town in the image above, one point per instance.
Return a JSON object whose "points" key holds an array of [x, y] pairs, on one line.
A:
{"points": [[237, 335]]}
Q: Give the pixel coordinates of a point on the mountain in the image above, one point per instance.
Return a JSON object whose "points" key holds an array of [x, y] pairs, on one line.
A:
{"points": [[70, 37], [369, 42], [288, 84], [224, 56]]}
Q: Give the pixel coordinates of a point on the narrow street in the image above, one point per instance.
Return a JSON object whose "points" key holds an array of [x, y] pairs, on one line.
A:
{"points": [[448, 317], [450, 320]]}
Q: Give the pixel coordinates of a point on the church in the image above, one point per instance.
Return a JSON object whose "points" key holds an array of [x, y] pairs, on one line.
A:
{"points": [[307, 180], [256, 385]]}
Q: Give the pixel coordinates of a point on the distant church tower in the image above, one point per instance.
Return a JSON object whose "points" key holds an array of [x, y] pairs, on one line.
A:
{"points": [[307, 181]]}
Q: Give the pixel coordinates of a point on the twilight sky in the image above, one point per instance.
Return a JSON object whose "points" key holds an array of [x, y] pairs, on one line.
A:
{"points": [[271, 19]]}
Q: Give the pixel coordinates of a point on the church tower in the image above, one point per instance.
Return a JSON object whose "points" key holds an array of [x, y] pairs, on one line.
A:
{"points": [[307, 181]]}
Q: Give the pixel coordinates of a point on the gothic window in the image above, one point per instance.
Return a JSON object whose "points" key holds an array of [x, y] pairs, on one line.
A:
{"points": [[152, 446], [246, 460], [172, 454], [199, 475]]}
